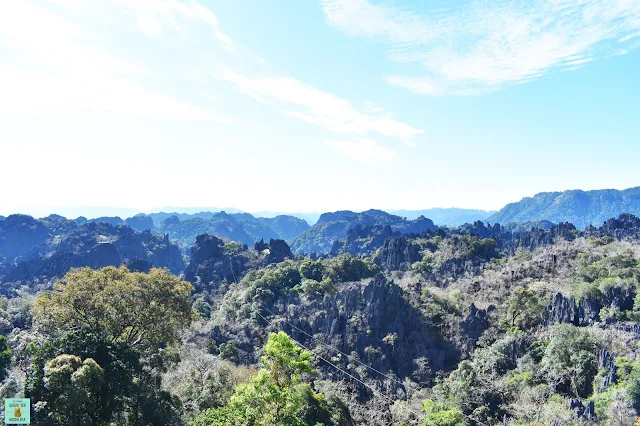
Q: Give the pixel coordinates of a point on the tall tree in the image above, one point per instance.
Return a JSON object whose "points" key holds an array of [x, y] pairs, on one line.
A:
{"points": [[109, 325], [277, 396], [5, 358], [137, 309]]}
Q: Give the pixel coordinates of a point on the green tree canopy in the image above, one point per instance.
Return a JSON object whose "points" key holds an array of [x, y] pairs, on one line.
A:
{"points": [[134, 308], [436, 415], [524, 308], [5, 358], [276, 396], [73, 385], [569, 360], [110, 325]]}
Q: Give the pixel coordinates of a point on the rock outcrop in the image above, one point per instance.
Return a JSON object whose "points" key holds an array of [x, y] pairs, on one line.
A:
{"points": [[473, 325], [562, 310], [334, 226], [278, 251], [626, 226], [370, 320], [209, 265], [22, 237], [140, 222], [582, 412], [397, 253], [587, 311], [620, 298], [111, 220], [606, 362], [260, 246]]}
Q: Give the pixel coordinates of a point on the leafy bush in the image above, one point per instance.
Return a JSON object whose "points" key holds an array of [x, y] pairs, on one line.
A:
{"points": [[346, 268], [569, 361], [316, 288], [312, 269], [439, 416], [202, 307], [274, 280], [524, 309], [228, 351]]}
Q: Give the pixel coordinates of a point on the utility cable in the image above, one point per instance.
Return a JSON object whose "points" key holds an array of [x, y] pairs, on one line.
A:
{"points": [[339, 351]]}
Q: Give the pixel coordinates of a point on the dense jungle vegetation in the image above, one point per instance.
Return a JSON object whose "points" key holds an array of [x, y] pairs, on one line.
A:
{"points": [[476, 325]]}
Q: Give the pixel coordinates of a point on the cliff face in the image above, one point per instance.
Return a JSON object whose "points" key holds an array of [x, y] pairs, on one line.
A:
{"points": [[209, 265], [473, 325], [140, 222], [372, 320], [278, 251], [586, 311], [241, 227], [397, 253], [213, 261], [286, 226]]}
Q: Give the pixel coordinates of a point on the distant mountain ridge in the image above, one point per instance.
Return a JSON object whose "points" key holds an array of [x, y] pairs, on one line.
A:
{"points": [[581, 208], [241, 227], [451, 216], [333, 226], [44, 248]]}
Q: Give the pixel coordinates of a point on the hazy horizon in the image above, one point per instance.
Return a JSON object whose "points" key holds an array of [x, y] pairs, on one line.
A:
{"points": [[92, 212]]}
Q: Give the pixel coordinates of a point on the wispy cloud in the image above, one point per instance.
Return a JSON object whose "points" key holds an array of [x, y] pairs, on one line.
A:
{"points": [[155, 15], [484, 45], [307, 103], [50, 62], [365, 150], [422, 85]]}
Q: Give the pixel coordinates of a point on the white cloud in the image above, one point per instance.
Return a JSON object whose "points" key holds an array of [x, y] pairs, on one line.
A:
{"points": [[420, 85], [365, 151], [318, 107], [486, 45], [27, 92], [153, 15], [52, 64]]}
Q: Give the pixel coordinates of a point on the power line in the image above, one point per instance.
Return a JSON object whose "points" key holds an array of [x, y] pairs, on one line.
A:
{"points": [[391, 400], [335, 366], [338, 350]]}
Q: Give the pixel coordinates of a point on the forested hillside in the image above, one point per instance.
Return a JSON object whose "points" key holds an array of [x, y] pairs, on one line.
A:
{"points": [[582, 208], [476, 325]]}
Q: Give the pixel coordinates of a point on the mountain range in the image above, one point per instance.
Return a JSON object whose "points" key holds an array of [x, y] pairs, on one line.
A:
{"points": [[582, 208], [318, 233]]}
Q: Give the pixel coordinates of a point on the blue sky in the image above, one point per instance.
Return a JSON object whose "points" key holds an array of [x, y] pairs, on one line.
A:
{"points": [[315, 105]]}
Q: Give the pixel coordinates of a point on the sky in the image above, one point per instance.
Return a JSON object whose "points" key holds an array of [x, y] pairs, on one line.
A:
{"points": [[314, 105]]}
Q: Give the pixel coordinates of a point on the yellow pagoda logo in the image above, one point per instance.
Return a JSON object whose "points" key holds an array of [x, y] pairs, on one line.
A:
{"points": [[17, 411]]}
